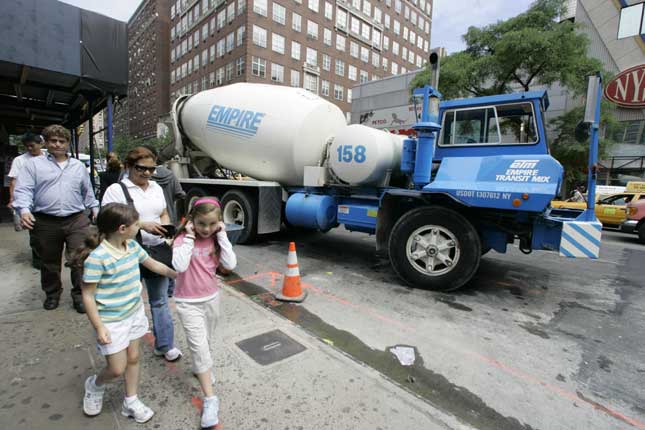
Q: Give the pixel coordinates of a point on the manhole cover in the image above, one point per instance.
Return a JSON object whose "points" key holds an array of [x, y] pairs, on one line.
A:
{"points": [[270, 347]]}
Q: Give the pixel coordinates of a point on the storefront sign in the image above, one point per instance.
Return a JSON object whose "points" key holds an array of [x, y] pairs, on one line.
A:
{"points": [[627, 89]]}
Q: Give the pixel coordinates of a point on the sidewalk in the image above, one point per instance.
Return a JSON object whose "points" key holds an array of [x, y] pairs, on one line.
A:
{"points": [[47, 355]]}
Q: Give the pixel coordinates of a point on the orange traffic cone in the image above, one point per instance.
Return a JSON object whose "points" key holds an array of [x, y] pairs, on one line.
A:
{"points": [[291, 288]]}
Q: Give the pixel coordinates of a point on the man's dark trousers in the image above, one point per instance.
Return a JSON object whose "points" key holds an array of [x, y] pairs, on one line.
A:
{"points": [[51, 235]]}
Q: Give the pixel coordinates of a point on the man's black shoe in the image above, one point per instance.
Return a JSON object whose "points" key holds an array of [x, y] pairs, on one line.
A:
{"points": [[79, 306], [51, 303]]}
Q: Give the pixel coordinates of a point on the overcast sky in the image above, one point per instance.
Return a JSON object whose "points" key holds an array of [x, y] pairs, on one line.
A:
{"points": [[451, 18]]}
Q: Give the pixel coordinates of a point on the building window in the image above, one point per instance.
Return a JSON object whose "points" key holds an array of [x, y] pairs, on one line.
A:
{"points": [[172, 12], [353, 49], [404, 53], [205, 31], [376, 38], [340, 42], [327, 36], [230, 12], [341, 19], [386, 21], [326, 62], [172, 77], [313, 5], [329, 11], [230, 41], [311, 83], [260, 6], [204, 82], [395, 48], [365, 31], [229, 71], [277, 72], [277, 43], [365, 55], [324, 88], [241, 7], [204, 57], [338, 92], [363, 77], [296, 22], [355, 25], [385, 64], [349, 95], [241, 32], [312, 30], [240, 64], [377, 15], [221, 46], [631, 21], [259, 67], [295, 78], [386, 42], [367, 8], [312, 57], [340, 67], [397, 6], [395, 68], [279, 14], [295, 50], [212, 25], [211, 52], [211, 79], [219, 80], [351, 73], [376, 58], [405, 33], [397, 27], [259, 36], [221, 19]]}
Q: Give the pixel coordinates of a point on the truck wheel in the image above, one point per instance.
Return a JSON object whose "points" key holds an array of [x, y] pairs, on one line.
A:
{"points": [[241, 209], [641, 233], [434, 248]]}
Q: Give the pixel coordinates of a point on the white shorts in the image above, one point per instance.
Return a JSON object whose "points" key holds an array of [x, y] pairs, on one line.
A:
{"points": [[123, 332]]}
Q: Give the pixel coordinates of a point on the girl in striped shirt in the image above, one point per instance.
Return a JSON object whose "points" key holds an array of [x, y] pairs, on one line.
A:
{"points": [[112, 298]]}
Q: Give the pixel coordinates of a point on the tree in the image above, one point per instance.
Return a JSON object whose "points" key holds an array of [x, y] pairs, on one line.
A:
{"points": [[574, 154], [531, 48]]}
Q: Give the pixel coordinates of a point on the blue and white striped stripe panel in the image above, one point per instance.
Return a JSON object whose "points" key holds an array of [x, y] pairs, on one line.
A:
{"points": [[580, 239]]}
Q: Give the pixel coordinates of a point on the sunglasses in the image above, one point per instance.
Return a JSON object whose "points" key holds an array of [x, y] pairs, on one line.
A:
{"points": [[142, 169]]}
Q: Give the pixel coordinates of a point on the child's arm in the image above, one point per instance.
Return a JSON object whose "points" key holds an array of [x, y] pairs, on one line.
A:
{"points": [[182, 252], [88, 291], [159, 268], [227, 258]]}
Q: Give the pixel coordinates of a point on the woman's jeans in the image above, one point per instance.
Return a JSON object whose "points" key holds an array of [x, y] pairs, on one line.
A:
{"points": [[162, 325]]}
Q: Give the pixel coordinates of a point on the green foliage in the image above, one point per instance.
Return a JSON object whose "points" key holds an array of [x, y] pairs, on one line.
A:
{"points": [[528, 49], [571, 153], [122, 144]]}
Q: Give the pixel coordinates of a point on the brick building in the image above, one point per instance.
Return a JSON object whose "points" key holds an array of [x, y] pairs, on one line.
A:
{"points": [[148, 77], [324, 46]]}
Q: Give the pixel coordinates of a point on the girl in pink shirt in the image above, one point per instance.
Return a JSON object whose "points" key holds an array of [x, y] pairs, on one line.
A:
{"points": [[200, 248]]}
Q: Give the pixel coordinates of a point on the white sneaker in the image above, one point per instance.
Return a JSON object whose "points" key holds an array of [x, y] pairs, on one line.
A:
{"points": [[173, 354], [137, 410], [210, 412], [93, 400]]}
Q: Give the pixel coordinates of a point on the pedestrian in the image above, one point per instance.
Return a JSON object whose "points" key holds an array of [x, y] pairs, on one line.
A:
{"points": [[199, 250], [33, 144], [52, 195], [112, 297], [111, 174], [148, 199], [172, 191], [578, 194]]}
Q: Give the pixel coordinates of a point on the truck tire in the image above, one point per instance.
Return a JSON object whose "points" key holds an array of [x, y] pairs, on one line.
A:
{"points": [[434, 248], [240, 208]]}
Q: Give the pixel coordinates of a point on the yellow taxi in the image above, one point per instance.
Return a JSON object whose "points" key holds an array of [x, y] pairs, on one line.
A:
{"points": [[610, 210]]}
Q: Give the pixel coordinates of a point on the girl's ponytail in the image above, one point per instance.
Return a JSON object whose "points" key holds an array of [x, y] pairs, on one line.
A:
{"points": [[92, 240]]}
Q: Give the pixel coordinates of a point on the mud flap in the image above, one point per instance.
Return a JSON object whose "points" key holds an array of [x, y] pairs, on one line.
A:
{"points": [[580, 239]]}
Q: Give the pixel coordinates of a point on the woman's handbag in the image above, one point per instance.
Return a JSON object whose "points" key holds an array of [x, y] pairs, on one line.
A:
{"points": [[162, 252]]}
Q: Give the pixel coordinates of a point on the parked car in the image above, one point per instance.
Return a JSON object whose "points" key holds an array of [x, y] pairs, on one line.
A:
{"points": [[635, 222]]}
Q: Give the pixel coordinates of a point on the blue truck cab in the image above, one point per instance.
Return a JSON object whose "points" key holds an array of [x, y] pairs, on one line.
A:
{"points": [[477, 176]]}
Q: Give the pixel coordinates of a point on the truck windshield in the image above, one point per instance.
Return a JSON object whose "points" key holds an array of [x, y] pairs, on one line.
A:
{"points": [[510, 124]]}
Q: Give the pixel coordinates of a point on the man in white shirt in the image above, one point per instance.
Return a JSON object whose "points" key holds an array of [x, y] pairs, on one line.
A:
{"points": [[33, 144]]}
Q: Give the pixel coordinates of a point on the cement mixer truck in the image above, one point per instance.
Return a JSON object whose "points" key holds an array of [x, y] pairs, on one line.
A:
{"points": [[476, 177]]}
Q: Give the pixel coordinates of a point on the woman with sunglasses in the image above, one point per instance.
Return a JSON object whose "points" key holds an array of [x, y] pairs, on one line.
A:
{"points": [[148, 199]]}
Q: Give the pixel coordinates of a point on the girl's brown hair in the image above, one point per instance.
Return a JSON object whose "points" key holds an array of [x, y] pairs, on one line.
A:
{"points": [[201, 209], [110, 218], [138, 153]]}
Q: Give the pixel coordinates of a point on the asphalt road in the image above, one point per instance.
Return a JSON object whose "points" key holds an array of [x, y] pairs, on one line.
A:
{"points": [[533, 342]]}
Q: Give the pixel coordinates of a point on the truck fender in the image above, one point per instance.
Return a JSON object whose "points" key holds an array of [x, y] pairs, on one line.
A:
{"points": [[394, 203]]}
